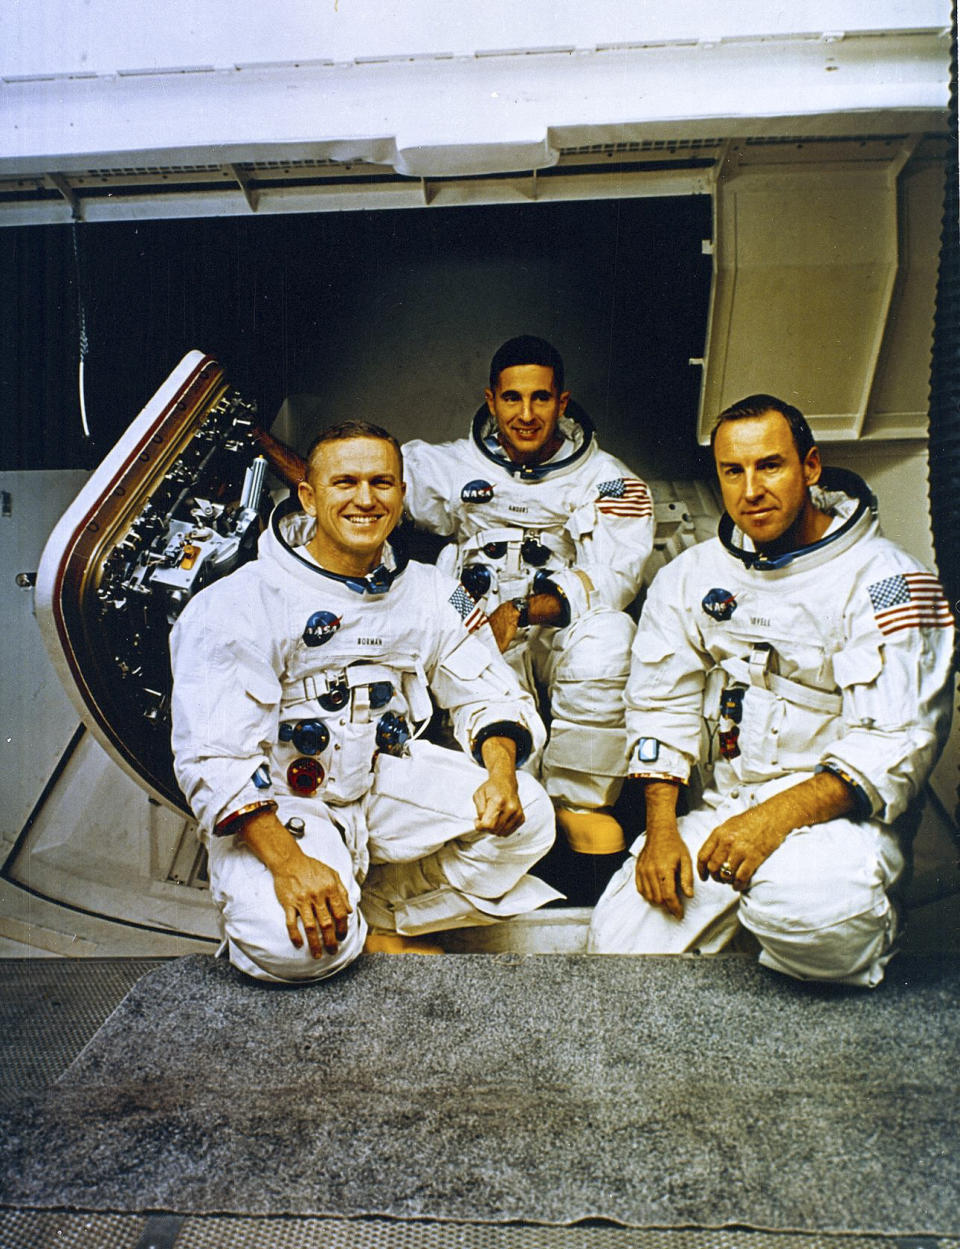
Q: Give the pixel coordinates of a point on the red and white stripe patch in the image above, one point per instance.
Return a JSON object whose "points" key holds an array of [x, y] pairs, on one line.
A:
{"points": [[472, 615], [628, 496], [475, 620], [912, 600]]}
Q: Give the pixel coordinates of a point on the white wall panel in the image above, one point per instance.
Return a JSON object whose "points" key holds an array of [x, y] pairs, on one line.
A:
{"points": [[103, 36]]}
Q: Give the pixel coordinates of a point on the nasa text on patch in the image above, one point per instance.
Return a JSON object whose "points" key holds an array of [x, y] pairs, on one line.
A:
{"points": [[478, 491], [321, 627], [720, 604]]}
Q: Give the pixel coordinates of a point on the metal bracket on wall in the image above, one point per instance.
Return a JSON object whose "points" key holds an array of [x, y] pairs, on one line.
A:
{"points": [[245, 185], [66, 190]]}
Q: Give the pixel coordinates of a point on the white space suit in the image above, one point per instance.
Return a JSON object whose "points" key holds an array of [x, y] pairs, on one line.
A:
{"points": [[580, 524], [837, 657], [301, 686]]}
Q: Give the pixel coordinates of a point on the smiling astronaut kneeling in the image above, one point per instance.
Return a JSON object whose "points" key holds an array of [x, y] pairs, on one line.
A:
{"points": [[300, 684]]}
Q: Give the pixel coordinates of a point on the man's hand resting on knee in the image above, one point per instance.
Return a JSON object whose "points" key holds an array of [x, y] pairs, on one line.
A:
{"points": [[737, 847], [311, 894], [664, 870], [498, 800]]}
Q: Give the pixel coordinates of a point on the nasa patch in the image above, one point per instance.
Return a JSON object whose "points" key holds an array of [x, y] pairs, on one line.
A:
{"points": [[477, 492], [321, 627], [720, 604]]}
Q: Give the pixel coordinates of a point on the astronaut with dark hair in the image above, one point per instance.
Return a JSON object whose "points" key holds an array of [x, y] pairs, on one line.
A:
{"points": [[551, 535]]}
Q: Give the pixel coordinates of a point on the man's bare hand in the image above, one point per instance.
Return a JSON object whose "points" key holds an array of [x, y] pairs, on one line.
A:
{"points": [[664, 869], [543, 608], [737, 847], [310, 892], [664, 873], [498, 799], [313, 895], [503, 622], [498, 807]]}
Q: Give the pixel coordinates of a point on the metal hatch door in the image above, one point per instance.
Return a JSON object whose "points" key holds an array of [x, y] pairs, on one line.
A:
{"points": [[175, 505]]}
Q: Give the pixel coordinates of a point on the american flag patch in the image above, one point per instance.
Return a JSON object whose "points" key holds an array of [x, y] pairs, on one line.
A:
{"points": [[911, 600], [627, 496], [471, 615]]}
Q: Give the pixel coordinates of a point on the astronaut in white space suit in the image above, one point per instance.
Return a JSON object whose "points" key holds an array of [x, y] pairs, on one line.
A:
{"points": [[550, 538], [300, 682], [812, 657]]}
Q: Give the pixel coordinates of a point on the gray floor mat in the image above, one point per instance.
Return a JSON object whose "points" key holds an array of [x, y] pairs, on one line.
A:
{"points": [[653, 1092]]}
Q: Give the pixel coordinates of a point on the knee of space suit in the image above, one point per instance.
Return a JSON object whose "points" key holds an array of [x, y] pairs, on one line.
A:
{"points": [[592, 664], [596, 646], [817, 919], [538, 829], [259, 945], [584, 764]]}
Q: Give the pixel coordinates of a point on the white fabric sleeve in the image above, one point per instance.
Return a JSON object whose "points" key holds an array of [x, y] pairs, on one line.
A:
{"points": [[664, 692], [226, 700], [896, 683], [475, 683], [429, 473], [612, 530]]}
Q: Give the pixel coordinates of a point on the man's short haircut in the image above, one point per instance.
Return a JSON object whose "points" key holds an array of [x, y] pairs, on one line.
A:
{"points": [[346, 430], [526, 349], [760, 405]]}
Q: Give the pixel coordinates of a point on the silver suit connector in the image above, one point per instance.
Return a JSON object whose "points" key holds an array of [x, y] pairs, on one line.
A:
{"points": [[253, 484]]}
